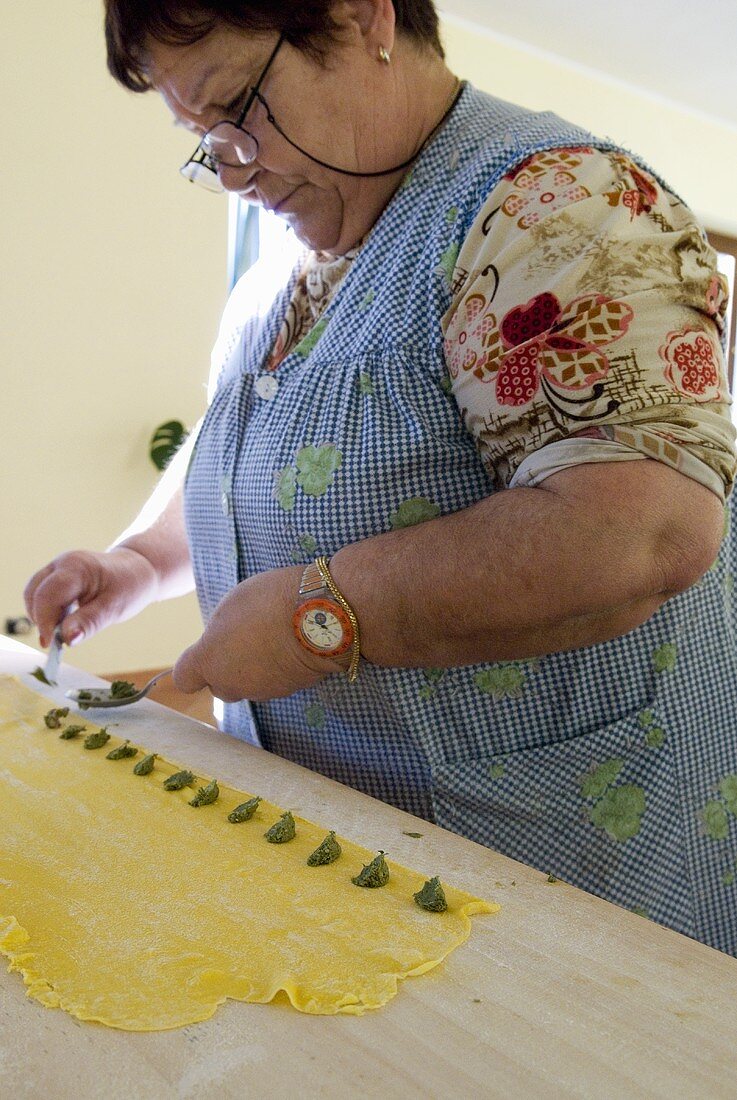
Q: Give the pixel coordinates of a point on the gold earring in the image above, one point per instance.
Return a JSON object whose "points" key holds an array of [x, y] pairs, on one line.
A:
{"points": [[384, 55]]}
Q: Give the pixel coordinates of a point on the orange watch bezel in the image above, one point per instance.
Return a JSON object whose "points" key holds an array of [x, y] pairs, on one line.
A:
{"points": [[319, 603]]}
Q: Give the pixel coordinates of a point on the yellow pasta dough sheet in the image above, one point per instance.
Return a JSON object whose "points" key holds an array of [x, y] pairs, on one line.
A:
{"points": [[123, 904]]}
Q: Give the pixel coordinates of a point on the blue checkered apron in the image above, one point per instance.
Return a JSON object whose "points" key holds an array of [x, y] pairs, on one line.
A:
{"points": [[614, 766]]}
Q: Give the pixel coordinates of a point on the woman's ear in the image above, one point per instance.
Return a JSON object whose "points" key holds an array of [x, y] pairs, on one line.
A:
{"points": [[373, 19]]}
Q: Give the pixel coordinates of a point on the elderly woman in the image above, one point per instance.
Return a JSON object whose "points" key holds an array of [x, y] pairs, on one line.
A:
{"points": [[454, 513]]}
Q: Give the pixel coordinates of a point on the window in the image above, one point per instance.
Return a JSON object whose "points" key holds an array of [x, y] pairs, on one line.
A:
{"points": [[253, 233], [726, 248]]}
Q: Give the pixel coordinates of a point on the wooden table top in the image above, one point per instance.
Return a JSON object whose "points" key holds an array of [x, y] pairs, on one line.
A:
{"points": [[558, 995]]}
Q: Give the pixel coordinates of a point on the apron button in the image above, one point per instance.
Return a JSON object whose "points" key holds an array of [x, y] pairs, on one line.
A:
{"points": [[266, 386], [225, 503]]}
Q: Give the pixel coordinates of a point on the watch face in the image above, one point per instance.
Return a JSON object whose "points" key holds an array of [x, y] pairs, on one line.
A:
{"points": [[323, 627]]}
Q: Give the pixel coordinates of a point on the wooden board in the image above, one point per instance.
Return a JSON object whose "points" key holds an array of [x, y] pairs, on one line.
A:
{"points": [[559, 995]]}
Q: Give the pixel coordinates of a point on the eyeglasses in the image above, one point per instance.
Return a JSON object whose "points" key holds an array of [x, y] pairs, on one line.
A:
{"points": [[227, 143], [231, 145]]}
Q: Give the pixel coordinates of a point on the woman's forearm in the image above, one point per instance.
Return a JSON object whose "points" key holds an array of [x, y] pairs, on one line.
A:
{"points": [[164, 546], [586, 557], [158, 533]]}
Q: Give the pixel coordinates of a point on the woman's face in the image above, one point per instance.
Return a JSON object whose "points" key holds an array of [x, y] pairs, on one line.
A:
{"points": [[336, 113]]}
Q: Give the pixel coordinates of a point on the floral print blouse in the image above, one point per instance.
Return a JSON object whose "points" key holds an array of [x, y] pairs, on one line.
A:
{"points": [[586, 325]]}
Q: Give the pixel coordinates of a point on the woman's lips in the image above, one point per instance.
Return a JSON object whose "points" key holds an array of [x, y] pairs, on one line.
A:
{"points": [[281, 206]]}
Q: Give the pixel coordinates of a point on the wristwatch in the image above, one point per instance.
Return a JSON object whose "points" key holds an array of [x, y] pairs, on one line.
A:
{"points": [[324, 622]]}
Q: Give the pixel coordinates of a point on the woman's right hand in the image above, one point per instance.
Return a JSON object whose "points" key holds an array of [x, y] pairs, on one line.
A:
{"points": [[107, 587]]}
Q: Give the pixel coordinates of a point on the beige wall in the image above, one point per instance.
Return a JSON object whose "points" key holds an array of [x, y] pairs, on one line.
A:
{"points": [[697, 156], [113, 276]]}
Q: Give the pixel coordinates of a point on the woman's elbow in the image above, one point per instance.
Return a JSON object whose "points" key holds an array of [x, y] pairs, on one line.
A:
{"points": [[692, 541]]}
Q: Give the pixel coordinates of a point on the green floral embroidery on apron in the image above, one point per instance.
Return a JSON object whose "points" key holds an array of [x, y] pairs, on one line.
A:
{"points": [[412, 511], [504, 681], [602, 776], [714, 817], [664, 657], [308, 543], [728, 791], [640, 911], [448, 262], [315, 715], [285, 488], [654, 735], [620, 811], [433, 676], [316, 467], [305, 346], [367, 299], [496, 771], [306, 548], [365, 385], [313, 472]]}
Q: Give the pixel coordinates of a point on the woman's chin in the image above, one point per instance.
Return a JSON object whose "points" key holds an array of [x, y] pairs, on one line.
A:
{"points": [[317, 224], [312, 236]]}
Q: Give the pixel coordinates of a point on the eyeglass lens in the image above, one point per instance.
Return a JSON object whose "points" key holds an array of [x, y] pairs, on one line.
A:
{"points": [[197, 171], [227, 143], [230, 146]]}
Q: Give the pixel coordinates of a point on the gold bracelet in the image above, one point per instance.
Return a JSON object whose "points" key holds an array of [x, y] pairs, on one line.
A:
{"points": [[324, 571]]}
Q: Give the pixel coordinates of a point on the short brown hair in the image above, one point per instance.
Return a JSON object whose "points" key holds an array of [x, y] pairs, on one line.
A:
{"points": [[308, 25]]}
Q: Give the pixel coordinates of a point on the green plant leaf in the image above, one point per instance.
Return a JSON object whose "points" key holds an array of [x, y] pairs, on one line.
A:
{"points": [[165, 442]]}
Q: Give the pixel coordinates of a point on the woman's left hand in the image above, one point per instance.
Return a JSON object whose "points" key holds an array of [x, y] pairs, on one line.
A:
{"points": [[248, 649]]}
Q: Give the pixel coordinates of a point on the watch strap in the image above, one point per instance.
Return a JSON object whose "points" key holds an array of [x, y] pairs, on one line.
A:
{"points": [[312, 583]]}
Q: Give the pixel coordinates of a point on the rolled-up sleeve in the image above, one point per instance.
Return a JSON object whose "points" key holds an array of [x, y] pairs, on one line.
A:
{"points": [[587, 325]]}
